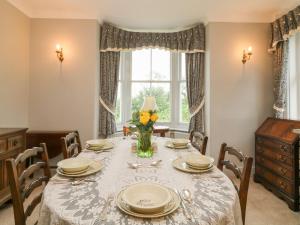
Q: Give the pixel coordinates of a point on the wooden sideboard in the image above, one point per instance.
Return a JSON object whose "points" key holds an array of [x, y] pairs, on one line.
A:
{"points": [[12, 142], [277, 159]]}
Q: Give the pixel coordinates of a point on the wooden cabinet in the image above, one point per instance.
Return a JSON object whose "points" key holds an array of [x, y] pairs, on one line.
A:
{"points": [[51, 138], [12, 142], [277, 159]]}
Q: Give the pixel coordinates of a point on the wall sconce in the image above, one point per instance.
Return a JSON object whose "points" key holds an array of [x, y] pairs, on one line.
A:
{"points": [[247, 55], [59, 53]]}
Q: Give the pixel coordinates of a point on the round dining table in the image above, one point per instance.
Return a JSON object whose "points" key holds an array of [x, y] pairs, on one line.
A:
{"points": [[215, 200]]}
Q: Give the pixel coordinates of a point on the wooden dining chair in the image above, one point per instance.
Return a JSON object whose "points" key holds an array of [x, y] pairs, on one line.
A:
{"points": [[71, 145], [199, 141], [243, 175], [23, 185]]}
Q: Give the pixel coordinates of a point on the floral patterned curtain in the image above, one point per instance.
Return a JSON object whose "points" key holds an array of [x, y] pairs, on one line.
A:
{"points": [[109, 72], [282, 29], [195, 90], [116, 39]]}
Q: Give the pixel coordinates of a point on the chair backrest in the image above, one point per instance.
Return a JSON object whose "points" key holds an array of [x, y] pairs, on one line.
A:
{"points": [[71, 145], [243, 175], [199, 141], [21, 190]]}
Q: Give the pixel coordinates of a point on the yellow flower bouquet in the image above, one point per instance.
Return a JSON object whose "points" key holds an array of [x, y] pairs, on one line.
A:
{"points": [[144, 122]]}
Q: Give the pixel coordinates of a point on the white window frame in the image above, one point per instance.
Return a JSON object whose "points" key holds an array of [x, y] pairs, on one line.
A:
{"points": [[293, 79], [175, 81]]}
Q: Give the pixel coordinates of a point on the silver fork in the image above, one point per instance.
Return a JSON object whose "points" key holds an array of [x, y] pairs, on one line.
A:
{"points": [[104, 212], [185, 211]]}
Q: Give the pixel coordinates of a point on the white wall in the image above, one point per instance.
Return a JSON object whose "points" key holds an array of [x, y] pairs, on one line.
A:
{"points": [[240, 95], [14, 66], [64, 96]]}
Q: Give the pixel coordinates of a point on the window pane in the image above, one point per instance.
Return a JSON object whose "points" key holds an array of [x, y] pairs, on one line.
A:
{"points": [[141, 64], [184, 109], [118, 104], [139, 91], [183, 76], [161, 91], [160, 64]]}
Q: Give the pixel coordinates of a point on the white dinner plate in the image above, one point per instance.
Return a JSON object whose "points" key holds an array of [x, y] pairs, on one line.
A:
{"points": [[93, 168], [169, 144], [178, 142], [146, 197], [198, 160], [169, 208], [199, 168], [73, 165], [107, 146], [72, 173], [96, 142], [181, 165]]}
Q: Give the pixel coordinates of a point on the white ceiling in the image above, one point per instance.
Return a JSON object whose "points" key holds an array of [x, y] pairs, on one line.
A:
{"points": [[157, 14]]}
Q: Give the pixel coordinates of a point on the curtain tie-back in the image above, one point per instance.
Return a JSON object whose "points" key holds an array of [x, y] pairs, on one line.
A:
{"points": [[106, 106], [278, 109], [194, 112]]}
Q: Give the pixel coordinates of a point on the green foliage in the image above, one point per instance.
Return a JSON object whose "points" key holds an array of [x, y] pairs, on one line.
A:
{"points": [[162, 101], [185, 114]]}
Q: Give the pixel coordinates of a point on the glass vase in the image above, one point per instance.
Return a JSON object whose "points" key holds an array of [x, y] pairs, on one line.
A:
{"points": [[144, 145]]}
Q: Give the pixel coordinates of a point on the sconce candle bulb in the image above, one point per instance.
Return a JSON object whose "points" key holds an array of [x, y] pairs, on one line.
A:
{"points": [[59, 53], [247, 54], [250, 50]]}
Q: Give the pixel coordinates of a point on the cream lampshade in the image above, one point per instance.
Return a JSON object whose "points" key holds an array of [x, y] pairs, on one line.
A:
{"points": [[149, 104]]}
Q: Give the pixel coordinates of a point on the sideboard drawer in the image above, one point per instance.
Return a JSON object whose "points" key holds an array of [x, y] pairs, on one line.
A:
{"points": [[278, 168], [278, 146], [15, 142], [12, 142], [3, 145], [269, 153], [282, 184]]}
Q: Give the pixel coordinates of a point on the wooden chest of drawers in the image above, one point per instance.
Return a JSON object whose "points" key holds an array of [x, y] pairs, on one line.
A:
{"points": [[12, 142], [277, 159]]}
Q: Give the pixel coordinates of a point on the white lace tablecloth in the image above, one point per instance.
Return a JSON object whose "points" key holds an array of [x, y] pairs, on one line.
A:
{"points": [[63, 204]]}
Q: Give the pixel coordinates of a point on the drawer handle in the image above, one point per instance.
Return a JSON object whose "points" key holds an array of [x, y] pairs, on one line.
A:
{"points": [[283, 185], [284, 148], [259, 140], [15, 142], [282, 158], [283, 171], [260, 149]]}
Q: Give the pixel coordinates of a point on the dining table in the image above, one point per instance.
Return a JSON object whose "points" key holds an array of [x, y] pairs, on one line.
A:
{"points": [[215, 199]]}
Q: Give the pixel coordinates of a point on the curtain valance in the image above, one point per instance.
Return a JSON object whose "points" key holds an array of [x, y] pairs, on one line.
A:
{"points": [[285, 26], [189, 41]]}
